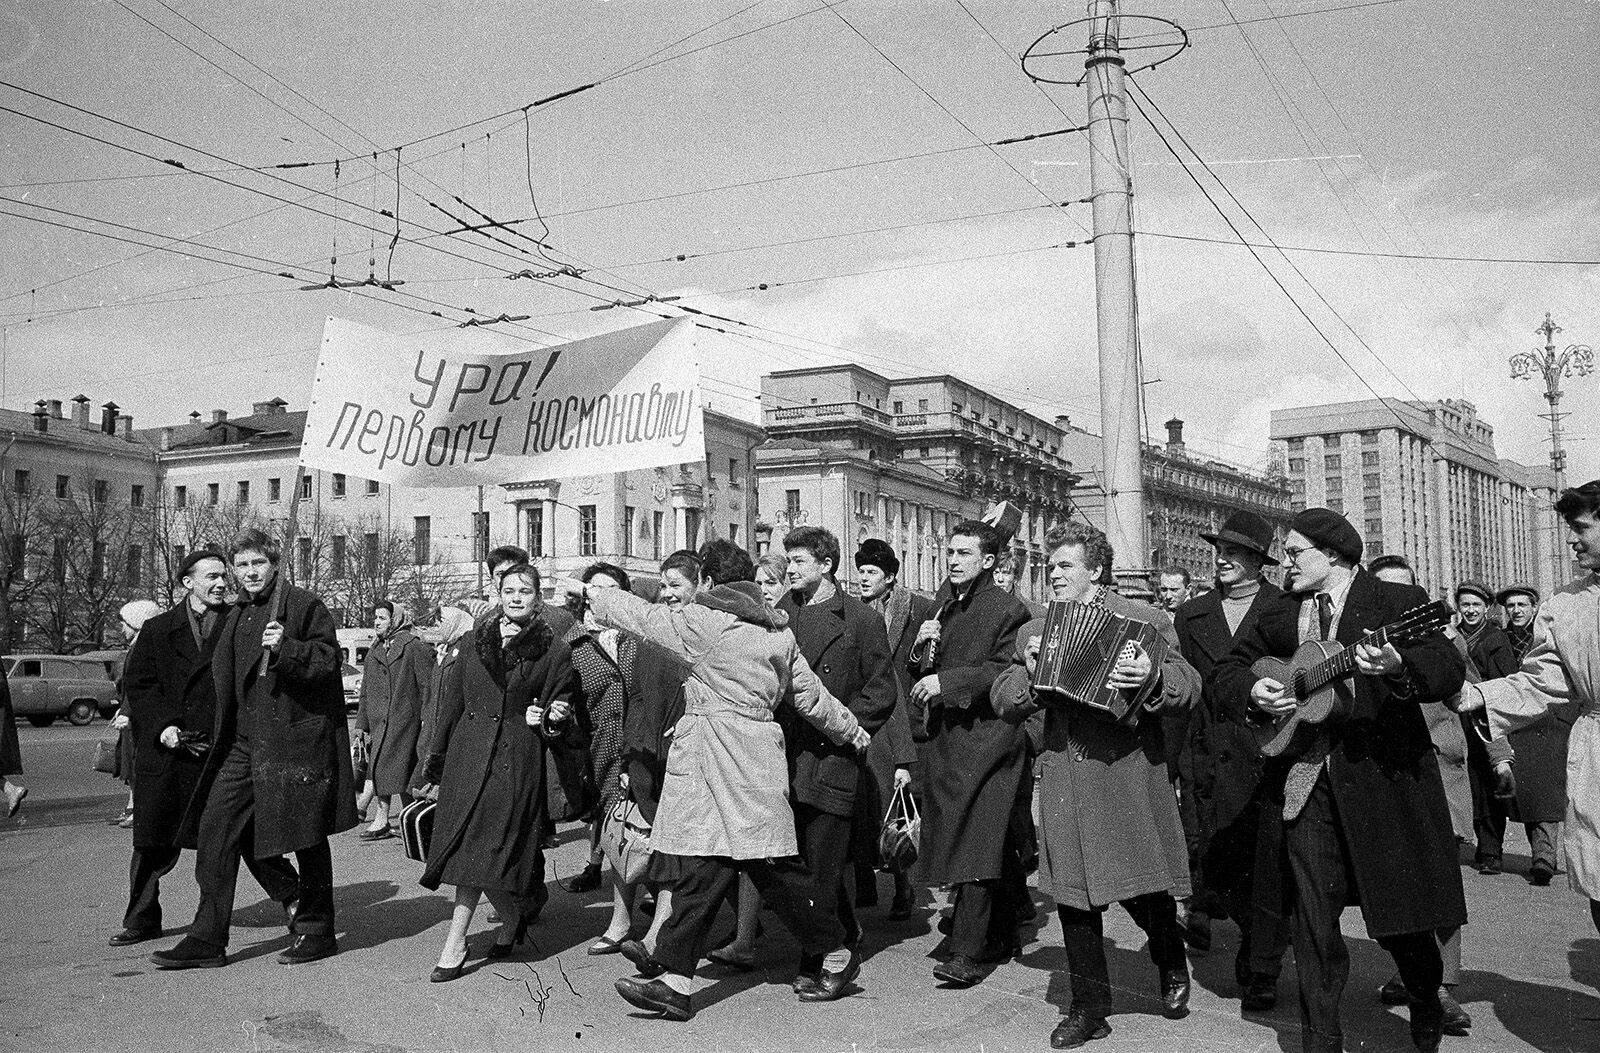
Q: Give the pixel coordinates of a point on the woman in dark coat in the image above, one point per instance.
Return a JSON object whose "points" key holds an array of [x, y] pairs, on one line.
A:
{"points": [[10, 751], [394, 687], [454, 623], [510, 692]]}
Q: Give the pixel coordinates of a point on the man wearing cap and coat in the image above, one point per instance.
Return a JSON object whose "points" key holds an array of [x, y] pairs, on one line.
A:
{"points": [[1491, 657], [172, 700], [1540, 803], [1365, 818], [1221, 770]]}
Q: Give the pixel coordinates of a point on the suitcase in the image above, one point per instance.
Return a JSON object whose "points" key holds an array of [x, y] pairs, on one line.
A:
{"points": [[416, 828]]}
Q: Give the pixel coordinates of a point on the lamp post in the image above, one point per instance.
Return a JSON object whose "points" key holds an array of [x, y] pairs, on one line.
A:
{"points": [[1553, 365]]}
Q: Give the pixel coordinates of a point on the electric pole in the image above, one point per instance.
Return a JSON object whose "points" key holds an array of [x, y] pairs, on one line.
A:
{"points": [[1111, 185], [1552, 366]]}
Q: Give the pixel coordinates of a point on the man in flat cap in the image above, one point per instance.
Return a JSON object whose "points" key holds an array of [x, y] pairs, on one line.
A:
{"points": [[1221, 771], [1492, 656], [1363, 807], [172, 699]]}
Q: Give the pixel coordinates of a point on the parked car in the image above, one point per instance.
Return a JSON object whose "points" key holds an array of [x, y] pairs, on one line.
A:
{"points": [[353, 647], [47, 686], [114, 662]]}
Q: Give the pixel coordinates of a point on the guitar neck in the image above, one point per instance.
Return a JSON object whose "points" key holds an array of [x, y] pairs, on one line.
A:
{"points": [[1343, 663]]}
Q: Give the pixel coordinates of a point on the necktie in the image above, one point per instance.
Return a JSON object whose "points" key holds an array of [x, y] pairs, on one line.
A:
{"points": [[1303, 774], [1325, 614]]}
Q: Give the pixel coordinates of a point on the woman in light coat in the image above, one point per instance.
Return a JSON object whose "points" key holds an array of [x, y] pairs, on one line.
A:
{"points": [[725, 798], [394, 687]]}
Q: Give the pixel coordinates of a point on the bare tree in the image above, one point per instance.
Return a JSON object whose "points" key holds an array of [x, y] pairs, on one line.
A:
{"points": [[88, 571], [24, 543]]}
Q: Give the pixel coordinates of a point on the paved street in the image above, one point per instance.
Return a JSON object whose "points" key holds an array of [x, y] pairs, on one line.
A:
{"points": [[1532, 967]]}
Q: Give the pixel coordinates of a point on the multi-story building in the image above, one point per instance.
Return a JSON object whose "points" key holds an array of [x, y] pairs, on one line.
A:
{"points": [[904, 460], [1185, 496], [354, 537], [1422, 479], [76, 497]]}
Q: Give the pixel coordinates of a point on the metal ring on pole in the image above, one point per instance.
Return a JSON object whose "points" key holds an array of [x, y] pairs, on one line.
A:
{"points": [[1037, 58]]}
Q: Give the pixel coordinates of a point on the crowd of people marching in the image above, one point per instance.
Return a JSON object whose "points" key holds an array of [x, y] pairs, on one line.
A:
{"points": [[735, 731]]}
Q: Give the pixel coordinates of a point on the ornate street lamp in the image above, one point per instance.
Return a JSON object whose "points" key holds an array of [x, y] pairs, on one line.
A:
{"points": [[1574, 359]]}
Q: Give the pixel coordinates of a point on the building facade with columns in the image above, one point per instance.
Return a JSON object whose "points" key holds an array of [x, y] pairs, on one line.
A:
{"points": [[904, 460], [1186, 496], [1422, 480], [221, 472]]}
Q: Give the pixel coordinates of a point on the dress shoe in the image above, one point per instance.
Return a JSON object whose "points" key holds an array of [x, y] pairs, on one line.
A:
{"points": [[1427, 1025], [655, 996], [1175, 993], [604, 945], [1489, 865], [129, 937], [1455, 1020], [960, 971], [806, 974], [830, 986], [1197, 931], [518, 936], [126, 815], [380, 834], [1076, 1028], [648, 967], [585, 880], [191, 953], [1394, 992], [1540, 876], [733, 957], [443, 974], [1259, 994], [15, 795], [946, 923], [126, 822], [309, 948], [1026, 911]]}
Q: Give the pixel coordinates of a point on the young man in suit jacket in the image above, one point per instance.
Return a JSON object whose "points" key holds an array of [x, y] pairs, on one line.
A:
{"points": [[1363, 805], [171, 697], [1232, 865]]}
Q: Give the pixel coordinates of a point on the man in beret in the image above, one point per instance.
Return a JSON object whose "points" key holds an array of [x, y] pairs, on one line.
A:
{"points": [[172, 698], [1363, 807], [1491, 655]]}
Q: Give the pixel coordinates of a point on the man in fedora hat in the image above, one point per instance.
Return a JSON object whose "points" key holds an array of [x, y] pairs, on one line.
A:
{"points": [[1220, 771]]}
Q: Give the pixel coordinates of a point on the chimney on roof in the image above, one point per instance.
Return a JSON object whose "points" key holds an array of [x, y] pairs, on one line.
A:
{"points": [[1175, 436], [108, 418], [194, 416], [41, 416], [125, 426], [270, 407], [1064, 422], [165, 442], [80, 412], [55, 408], [218, 416]]}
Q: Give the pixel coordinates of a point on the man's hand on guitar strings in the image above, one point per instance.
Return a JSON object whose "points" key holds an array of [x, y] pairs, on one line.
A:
{"points": [[1268, 696], [1378, 661]]}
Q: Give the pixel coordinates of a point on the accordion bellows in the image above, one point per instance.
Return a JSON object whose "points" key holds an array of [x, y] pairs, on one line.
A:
{"points": [[1080, 645]]}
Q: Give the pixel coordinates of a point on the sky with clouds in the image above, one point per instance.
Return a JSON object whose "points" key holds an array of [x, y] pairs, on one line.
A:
{"points": [[1408, 127]]}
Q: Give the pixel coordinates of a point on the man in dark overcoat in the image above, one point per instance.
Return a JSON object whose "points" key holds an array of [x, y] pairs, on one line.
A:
{"points": [[281, 754], [1223, 769], [974, 761], [1541, 748], [172, 703], [1365, 818], [847, 646], [1490, 652]]}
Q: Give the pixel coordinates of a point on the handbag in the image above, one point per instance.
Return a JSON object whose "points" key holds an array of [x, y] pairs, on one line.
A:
{"points": [[416, 828], [625, 839], [902, 828], [108, 754], [360, 756]]}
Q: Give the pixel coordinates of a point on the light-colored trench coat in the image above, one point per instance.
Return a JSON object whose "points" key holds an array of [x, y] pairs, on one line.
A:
{"points": [[1563, 669], [726, 791]]}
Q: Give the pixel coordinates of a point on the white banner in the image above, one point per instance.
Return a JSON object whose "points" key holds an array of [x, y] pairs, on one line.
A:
{"points": [[460, 408]]}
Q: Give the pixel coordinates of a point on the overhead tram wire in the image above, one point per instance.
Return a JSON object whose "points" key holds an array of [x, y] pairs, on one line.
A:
{"points": [[1133, 96], [1370, 253], [1265, 18], [1139, 89], [682, 40]]}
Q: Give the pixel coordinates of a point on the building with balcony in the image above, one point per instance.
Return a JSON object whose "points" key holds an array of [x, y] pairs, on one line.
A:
{"points": [[1185, 496], [1422, 479], [904, 460]]}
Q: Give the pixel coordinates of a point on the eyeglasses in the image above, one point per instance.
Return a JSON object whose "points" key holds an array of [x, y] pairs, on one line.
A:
{"points": [[1293, 554]]}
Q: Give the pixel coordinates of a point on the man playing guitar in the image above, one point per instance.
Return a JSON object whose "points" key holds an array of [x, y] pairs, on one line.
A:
{"points": [[1365, 818]]}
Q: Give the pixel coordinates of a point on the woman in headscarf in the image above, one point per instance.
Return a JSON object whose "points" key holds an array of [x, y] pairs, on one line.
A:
{"points": [[510, 691], [394, 686], [134, 614], [725, 802], [454, 623]]}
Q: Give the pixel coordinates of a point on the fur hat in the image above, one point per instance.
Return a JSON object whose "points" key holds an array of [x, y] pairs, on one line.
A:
{"points": [[875, 552]]}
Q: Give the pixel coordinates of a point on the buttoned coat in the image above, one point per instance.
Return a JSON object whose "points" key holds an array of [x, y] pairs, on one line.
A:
{"points": [[168, 683], [1108, 818], [394, 689], [300, 745], [847, 645], [1222, 755], [1540, 747], [489, 764], [1381, 769], [973, 760], [725, 791], [892, 745], [442, 663]]}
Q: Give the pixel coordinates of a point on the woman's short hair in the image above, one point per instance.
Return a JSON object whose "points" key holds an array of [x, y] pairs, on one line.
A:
{"points": [[774, 563], [609, 570], [684, 562], [523, 570]]}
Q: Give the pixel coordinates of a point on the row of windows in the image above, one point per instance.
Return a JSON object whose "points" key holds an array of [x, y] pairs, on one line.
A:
{"points": [[338, 486], [99, 562], [100, 489], [1331, 441]]}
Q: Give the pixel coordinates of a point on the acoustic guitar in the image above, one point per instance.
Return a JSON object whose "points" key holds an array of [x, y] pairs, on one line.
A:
{"points": [[1316, 678]]}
